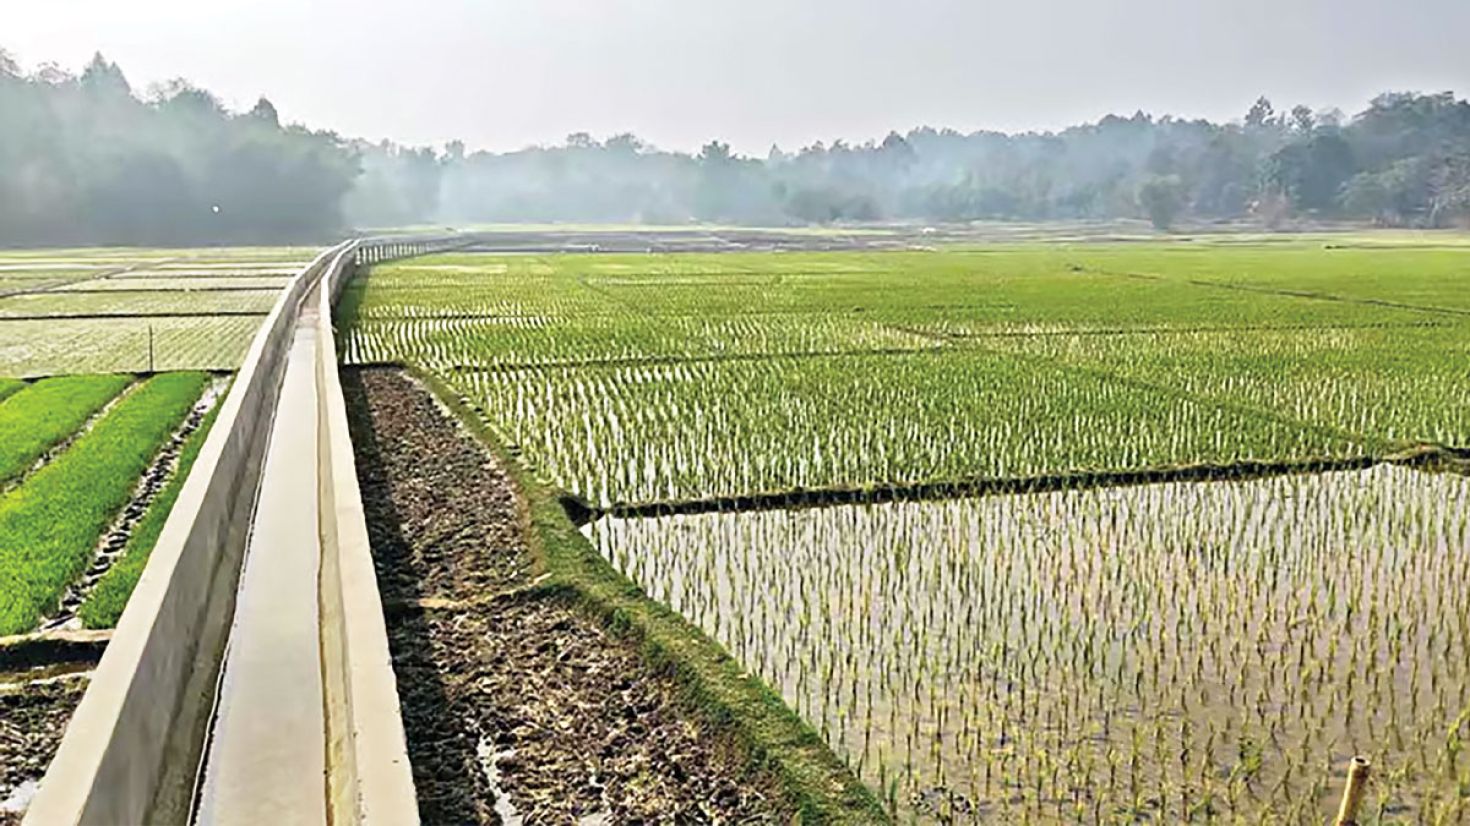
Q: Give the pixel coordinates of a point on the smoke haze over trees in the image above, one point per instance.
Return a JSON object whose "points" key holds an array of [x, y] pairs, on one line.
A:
{"points": [[84, 159]]}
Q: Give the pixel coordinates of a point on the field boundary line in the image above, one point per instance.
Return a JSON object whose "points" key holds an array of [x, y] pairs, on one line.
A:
{"points": [[1225, 328], [97, 275], [1227, 405], [285, 284], [1422, 456]]}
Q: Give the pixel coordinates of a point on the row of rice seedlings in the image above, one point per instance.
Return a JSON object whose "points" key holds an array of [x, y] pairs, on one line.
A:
{"points": [[44, 413], [49, 525], [1167, 653], [104, 606], [1400, 384], [142, 303], [954, 292], [122, 345], [439, 342], [677, 431]]}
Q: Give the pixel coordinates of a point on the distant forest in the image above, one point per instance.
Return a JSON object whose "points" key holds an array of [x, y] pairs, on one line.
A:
{"points": [[84, 159]]}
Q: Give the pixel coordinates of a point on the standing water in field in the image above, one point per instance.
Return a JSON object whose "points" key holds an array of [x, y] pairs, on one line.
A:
{"points": [[1166, 652]]}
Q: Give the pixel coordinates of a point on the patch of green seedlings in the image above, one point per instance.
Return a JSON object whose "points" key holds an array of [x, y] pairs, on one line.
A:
{"points": [[525, 341], [664, 432], [46, 412], [1165, 653], [105, 605], [50, 524], [9, 387], [1395, 384]]}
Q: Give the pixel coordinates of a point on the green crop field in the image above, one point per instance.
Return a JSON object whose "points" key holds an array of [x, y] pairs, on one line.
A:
{"points": [[51, 522], [1165, 652], [34, 419]]}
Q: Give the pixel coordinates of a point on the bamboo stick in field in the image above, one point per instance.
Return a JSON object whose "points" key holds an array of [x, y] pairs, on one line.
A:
{"points": [[1352, 794]]}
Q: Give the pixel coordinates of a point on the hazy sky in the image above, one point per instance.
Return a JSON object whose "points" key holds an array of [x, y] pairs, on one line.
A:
{"points": [[501, 74]]}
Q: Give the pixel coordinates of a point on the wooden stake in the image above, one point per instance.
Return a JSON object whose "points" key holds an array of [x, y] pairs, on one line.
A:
{"points": [[1352, 794]]}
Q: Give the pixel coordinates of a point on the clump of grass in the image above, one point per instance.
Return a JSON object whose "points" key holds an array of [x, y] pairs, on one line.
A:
{"points": [[50, 524], [106, 603]]}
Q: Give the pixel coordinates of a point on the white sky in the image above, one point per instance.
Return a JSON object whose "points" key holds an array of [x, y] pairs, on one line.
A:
{"points": [[502, 74]]}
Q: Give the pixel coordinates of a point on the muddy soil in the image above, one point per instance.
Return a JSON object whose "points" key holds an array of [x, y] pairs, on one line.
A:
{"points": [[516, 708], [32, 720]]}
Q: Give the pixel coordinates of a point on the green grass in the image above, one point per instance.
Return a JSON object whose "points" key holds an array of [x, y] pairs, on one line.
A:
{"points": [[34, 419], [825, 790], [9, 386], [50, 524], [106, 603]]}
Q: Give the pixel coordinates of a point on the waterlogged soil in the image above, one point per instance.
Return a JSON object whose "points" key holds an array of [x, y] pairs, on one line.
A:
{"points": [[32, 720], [517, 707]]}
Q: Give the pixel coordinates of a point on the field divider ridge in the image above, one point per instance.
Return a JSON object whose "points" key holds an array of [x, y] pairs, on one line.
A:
{"points": [[711, 681], [1433, 457]]}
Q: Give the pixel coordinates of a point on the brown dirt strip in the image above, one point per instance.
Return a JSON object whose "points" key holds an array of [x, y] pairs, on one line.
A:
{"points": [[515, 703], [32, 721]]}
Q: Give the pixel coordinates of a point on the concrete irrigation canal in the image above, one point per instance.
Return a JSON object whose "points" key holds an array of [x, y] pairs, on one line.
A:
{"points": [[249, 680]]}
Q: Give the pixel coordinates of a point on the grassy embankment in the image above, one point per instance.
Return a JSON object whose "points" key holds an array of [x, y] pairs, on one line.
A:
{"points": [[713, 683]]}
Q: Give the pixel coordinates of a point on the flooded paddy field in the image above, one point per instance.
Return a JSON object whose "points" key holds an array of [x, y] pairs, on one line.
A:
{"points": [[1161, 653]]}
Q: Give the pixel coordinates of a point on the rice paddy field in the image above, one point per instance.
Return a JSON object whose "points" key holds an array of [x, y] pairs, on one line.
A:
{"points": [[136, 310], [111, 364], [892, 485]]}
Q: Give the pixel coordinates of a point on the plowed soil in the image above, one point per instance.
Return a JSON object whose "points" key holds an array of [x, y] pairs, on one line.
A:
{"points": [[517, 708], [32, 720]]}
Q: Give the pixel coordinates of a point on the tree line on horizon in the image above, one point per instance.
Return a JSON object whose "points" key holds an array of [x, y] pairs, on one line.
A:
{"points": [[85, 159]]}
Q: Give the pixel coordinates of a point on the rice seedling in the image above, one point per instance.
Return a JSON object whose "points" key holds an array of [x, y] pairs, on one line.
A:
{"points": [[9, 387], [49, 525], [46, 347]]}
